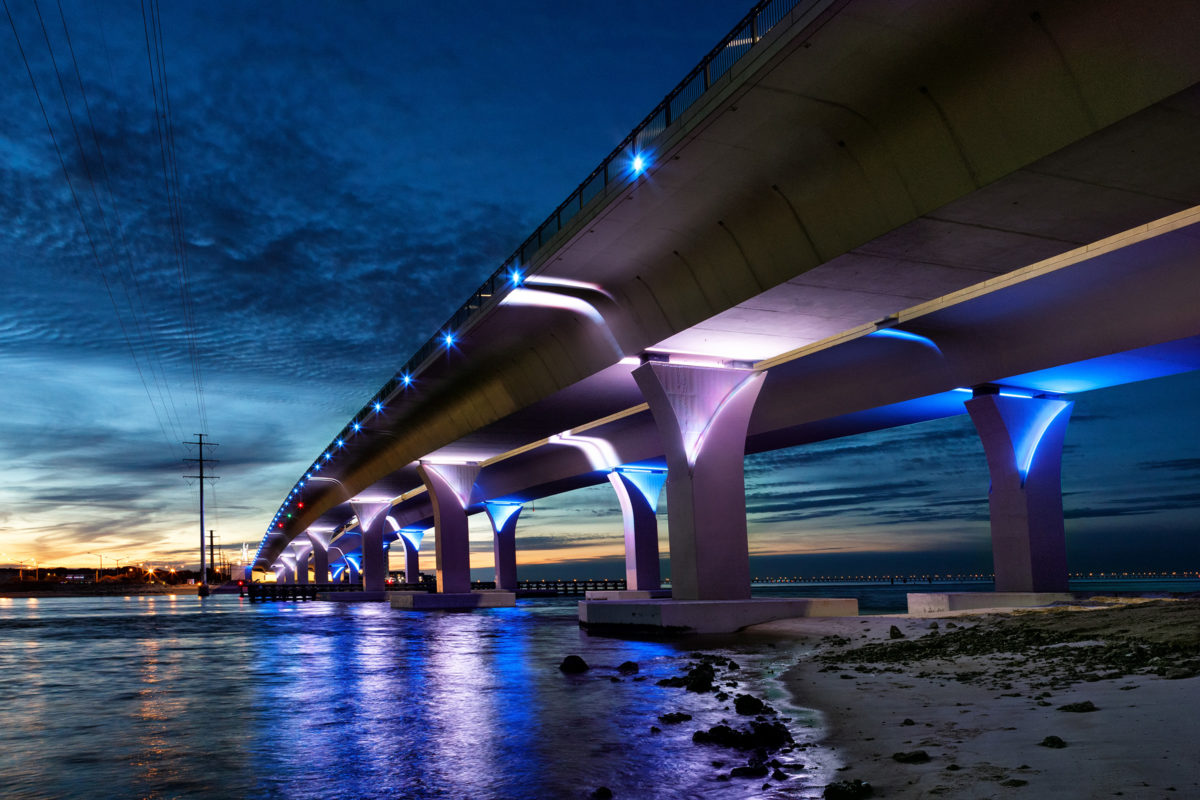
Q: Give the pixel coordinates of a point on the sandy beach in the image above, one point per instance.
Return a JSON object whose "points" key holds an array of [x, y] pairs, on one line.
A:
{"points": [[1071, 702]]}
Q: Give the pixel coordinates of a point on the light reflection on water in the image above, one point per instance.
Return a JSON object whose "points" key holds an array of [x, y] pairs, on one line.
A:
{"points": [[163, 698]]}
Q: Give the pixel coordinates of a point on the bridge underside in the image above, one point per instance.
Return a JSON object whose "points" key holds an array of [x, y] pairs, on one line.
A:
{"points": [[879, 211]]}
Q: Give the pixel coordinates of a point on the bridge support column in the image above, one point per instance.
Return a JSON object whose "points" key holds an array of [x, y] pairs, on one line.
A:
{"points": [[503, 517], [638, 492], [449, 487], [320, 557], [411, 538], [702, 414], [374, 558], [352, 573], [302, 567], [1023, 439]]}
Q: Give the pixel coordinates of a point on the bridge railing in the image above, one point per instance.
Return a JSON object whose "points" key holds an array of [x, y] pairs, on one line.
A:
{"points": [[617, 168]]}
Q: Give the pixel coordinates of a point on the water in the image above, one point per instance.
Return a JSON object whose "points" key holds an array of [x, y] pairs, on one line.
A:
{"points": [[162, 697]]}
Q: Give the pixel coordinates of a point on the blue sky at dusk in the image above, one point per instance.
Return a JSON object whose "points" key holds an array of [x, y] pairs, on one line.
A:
{"points": [[346, 174]]}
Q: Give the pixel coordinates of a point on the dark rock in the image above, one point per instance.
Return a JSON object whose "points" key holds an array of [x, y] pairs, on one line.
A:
{"points": [[1085, 706], [750, 771], [1014, 782], [907, 722], [848, 790], [674, 718], [953, 768], [718, 764], [655, 729], [732, 664], [628, 668], [573, 665], [614, 679], [698, 679], [747, 705], [765, 736], [602, 793], [779, 775], [933, 626], [911, 757], [1054, 742], [895, 633]]}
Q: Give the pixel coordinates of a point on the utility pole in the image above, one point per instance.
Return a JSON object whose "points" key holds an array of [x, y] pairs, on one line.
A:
{"points": [[200, 461]]}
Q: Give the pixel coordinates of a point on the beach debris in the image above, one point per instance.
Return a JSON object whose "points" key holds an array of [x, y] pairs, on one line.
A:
{"points": [[848, 790], [1014, 782], [674, 718], [628, 668], [907, 722], [911, 757], [933, 626], [573, 665], [748, 705], [602, 793], [1079, 708], [765, 736], [895, 633], [1053, 742]]}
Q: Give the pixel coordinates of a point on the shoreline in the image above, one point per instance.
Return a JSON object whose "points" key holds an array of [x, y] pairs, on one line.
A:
{"points": [[79, 591], [968, 699]]}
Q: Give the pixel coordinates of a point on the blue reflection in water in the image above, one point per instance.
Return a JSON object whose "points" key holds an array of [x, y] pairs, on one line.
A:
{"points": [[163, 697]]}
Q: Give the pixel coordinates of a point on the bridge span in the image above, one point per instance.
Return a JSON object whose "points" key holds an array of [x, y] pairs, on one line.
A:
{"points": [[849, 216]]}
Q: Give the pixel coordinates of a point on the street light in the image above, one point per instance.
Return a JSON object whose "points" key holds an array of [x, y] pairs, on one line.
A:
{"points": [[97, 555]]}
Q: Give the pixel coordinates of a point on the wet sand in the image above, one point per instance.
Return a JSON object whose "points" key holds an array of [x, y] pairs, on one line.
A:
{"points": [[962, 706]]}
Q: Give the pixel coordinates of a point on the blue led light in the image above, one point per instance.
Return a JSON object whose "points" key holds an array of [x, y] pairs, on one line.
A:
{"points": [[340, 443], [357, 427], [326, 456], [406, 379], [908, 336], [639, 164], [378, 406], [448, 338], [516, 277]]}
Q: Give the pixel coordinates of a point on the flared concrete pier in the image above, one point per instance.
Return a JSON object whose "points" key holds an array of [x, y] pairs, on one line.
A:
{"points": [[432, 601]]}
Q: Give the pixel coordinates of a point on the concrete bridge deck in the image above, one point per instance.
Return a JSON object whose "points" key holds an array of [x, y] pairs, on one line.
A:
{"points": [[893, 205]]}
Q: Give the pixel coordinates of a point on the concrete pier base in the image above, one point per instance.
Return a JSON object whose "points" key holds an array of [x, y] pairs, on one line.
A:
{"points": [[352, 597], [706, 616], [432, 601], [628, 594], [937, 603]]}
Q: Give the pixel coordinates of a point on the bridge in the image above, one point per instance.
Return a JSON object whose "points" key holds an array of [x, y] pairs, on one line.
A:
{"points": [[850, 215]]}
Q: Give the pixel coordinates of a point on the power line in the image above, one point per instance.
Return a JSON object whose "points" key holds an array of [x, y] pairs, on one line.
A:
{"points": [[83, 220]]}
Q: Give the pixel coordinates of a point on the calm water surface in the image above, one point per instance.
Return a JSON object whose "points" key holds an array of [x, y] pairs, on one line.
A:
{"points": [[176, 697]]}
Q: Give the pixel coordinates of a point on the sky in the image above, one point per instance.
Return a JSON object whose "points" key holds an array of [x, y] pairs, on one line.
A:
{"points": [[333, 177]]}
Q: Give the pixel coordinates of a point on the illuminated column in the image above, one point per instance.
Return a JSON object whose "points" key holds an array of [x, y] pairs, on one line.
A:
{"points": [[449, 487], [320, 555], [504, 542], [374, 558], [302, 565], [638, 492], [411, 537], [702, 414], [352, 573], [1023, 439]]}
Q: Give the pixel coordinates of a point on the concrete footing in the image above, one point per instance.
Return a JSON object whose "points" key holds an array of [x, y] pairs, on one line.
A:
{"points": [[430, 601], [352, 597], [629, 594], [706, 616], [938, 603]]}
